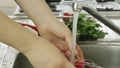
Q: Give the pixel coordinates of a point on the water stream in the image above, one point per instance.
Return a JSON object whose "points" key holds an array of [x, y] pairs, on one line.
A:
{"points": [[74, 30]]}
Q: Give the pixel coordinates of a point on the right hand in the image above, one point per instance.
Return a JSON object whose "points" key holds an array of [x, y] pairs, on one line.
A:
{"points": [[43, 54], [60, 36]]}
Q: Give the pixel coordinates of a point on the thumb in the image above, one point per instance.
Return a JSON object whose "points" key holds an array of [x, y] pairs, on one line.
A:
{"points": [[79, 55]]}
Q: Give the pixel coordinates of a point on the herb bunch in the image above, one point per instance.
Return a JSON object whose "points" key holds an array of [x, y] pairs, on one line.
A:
{"points": [[87, 28]]}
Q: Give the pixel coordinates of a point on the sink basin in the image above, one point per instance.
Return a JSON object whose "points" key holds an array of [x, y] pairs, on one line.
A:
{"points": [[22, 62], [105, 55]]}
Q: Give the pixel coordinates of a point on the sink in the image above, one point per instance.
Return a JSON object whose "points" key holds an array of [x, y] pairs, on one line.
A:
{"points": [[22, 62], [105, 55]]}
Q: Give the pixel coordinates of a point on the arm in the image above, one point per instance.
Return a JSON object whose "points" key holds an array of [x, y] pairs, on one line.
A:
{"points": [[40, 52], [48, 25], [12, 33], [38, 11]]}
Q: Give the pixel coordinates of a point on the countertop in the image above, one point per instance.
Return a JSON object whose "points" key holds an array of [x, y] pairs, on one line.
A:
{"points": [[7, 56]]}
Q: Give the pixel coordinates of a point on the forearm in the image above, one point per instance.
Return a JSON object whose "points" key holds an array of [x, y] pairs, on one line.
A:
{"points": [[14, 34], [38, 11]]}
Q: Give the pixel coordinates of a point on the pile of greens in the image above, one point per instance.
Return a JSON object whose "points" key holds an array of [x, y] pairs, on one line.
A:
{"points": [[87, 28]]}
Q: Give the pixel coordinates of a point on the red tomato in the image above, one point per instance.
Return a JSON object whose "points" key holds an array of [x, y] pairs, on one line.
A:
{"points": [[67, 14], [31, 26], [79, 64], [67, 18]]}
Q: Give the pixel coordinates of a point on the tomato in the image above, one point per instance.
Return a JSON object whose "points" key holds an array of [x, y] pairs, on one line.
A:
{"points": [[65, 19], [67, 14], [79, 64], [31, 26]]}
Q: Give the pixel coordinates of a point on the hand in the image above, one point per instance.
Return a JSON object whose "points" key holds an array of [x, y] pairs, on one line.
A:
{"points": [[59, 35], [44, 55], [49, 27]]}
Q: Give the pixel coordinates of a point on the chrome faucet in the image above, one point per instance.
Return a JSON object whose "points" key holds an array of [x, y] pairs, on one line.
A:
{"points": [[76, 7]]}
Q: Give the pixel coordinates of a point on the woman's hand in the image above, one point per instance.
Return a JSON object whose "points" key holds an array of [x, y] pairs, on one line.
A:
{"points": [[59, 35], [45, 55]]}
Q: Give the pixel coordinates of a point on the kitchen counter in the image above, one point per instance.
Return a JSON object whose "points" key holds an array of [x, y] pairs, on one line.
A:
{"points": [[7, 56]]}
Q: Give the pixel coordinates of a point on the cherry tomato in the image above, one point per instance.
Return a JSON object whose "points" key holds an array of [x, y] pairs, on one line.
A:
{"points": [[65, 19], [79, 64]]}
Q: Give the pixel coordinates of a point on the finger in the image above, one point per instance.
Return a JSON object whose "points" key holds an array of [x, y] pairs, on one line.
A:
{"points": [[68, 55], [68, 39], [79, 55], [62, 45]]}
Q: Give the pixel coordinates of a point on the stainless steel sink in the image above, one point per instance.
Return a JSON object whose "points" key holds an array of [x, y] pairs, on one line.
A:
{"points": [[105, 55], [22, 62]]}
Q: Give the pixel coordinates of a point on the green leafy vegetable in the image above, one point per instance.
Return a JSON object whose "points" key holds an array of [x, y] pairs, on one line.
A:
{"points": [[87, 29]]}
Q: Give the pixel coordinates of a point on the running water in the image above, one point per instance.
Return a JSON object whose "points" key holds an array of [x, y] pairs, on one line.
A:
{"points": [[74, 30]]}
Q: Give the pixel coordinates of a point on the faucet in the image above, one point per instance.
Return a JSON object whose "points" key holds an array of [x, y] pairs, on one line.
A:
{"points": [[76, 8]]}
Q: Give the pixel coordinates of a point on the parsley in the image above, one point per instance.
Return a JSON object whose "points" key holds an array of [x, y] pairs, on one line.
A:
{"points": [[87, 28]]}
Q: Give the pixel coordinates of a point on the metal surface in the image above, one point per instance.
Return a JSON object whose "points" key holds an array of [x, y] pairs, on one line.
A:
{"points": [[22, 62], [91, 64], [105, 55]]}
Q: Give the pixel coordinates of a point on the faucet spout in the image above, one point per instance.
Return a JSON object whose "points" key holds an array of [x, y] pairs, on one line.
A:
{"points": [[76, 7], [102, 19]]}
